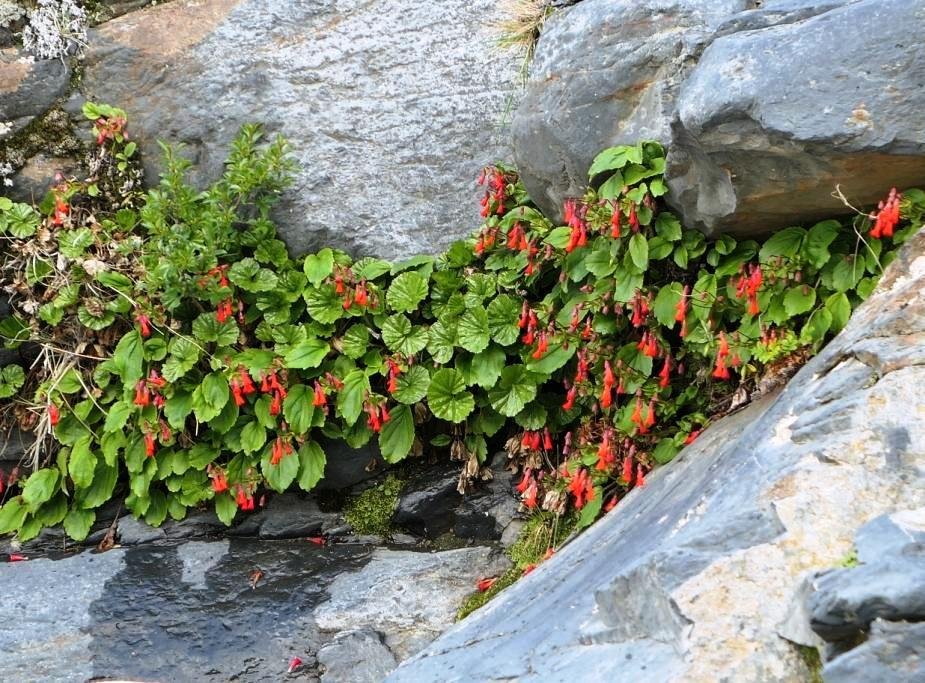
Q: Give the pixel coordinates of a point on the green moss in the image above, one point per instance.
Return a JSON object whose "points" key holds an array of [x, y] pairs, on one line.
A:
{"points": [[813, 661], [51, 133], [542, 531], [849, 560], [371, 511]]}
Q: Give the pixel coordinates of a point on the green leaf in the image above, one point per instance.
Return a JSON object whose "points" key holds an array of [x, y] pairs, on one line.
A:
{"points": [[323, 304], [207, 328], [784, 243], [406, 292], [225, 508], [557, 356], [401, 337], [503, 315], [514, 390], [298, 409], [39, 488], [412, 385], [100, 491], [351, 397], [210, 397], [612, 187], [665, 451], [12, 377], [532, 417], [12, 515], [818, 239], [558, 238], [157, 509], [668, 227], [184, 354], [441, 341], [177, 408], [591, 509], [599, 262], [307, 354], [355, 341], [311, 465], [73, 243], [53, 512], [249, 276], [484, 368], [117, 416], [369, 268], [253, 437], [816, 327], [799, 299], [848, 272], [78, 522], [666, 303], [128, 358], [82, 464], [447, 396], [639, 251], [839, 307], [610, 159], [472, 330], [319, 266], [397, 435], [281, 475]]}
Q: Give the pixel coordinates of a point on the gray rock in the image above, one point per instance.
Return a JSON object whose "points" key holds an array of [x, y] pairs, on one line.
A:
{"points": [[428, 503], [389, 106], [605, 72], [357, 656], [894, 653], [764, 107], [692, 576], [410, 597], [485, 513], [46, 606], [846, 601], [197, 524], [35, 179], [889, 534], [771, 121], [28, 88], [348, 466], [288, 515], [131, 531]]}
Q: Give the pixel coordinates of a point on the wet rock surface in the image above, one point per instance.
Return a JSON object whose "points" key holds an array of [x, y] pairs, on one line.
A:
{"points": [[764, 106], [390, 106], [692, 577], [232, 609]]}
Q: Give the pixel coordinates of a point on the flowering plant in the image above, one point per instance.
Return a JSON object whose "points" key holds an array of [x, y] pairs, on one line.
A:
{"points": [[594, 350]]}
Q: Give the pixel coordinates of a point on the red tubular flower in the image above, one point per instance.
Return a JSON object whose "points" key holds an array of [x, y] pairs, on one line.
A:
{"points": [[541, 347], [524, 316], [665, 374], [320, 399], [247, 385], [384, 414], [636, 417], [525, 482], [360, 298], [484, 584], [236, 392], [276, 404], [224, 311], [339, 284], [142, 395], [887, 216], [581, 488], [615, 221], [650, 415], [530, 494], [219, 481], [54, 415], [144, 325], [605, 454], [640, 477], [610, 504], [149, 444], [570, 399], [681, 309], [547, 440], [527, 339], [587, 332], [294, 664], [627, 473], [692, 437], [633, 218]]}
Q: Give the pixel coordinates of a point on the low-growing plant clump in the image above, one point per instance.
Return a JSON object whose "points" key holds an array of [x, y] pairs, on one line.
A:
{"points": [[186, 359]]}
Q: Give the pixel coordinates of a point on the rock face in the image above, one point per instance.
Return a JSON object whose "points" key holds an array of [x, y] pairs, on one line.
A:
{"points": [[28, 88], [765, 107], [391, 106], [695, 576]]}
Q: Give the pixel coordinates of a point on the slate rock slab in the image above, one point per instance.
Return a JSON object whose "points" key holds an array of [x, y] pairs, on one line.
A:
{"points": [[357, 656], [391, 106], [28, 88], [894, 653], [691, 577]]}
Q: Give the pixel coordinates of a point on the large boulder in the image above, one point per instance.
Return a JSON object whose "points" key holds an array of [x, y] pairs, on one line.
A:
{"points": [[391, 106], [765, 107], [697, 576]]}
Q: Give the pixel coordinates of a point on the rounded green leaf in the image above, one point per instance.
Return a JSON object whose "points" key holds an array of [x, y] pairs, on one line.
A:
{"points": [[441, 341], [639, 251], [298, 408], [311, 465], [397, 435], [532, 417], [402, 337], [82, 464], [799, 300], [281, 475], [355, 341], [472, 330], [412, 385], [39, 487], [319, 266], [406, 292], [307, 354], [514, 390], [78, 522], [503, 316], [447, 396]]}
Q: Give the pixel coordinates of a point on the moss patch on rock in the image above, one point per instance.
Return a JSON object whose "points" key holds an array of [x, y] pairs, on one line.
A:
{"points": [[370, 513]]}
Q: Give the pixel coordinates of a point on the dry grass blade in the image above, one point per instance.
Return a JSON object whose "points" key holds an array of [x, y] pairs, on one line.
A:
{"points": [[521, 23]]}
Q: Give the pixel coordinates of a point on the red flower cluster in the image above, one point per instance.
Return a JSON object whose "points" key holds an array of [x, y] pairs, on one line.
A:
{"points": [[109, 128], [219, 480], [281, 448], [269, 384], [149, 390], [643, 423], [495, 184], [581, 488], [720, 371], [529, 320], [241, 386], [484, 584], [528, 489], [575, 215], [378, 415], [486, 240], [244, 499], [150, 444], [609, 381], [648, 344], [640, 305], [748, 286], [887, 216], [615, 220], [394, 374], [320, 399], [537, 440], [605, 454], [62, 210]]}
